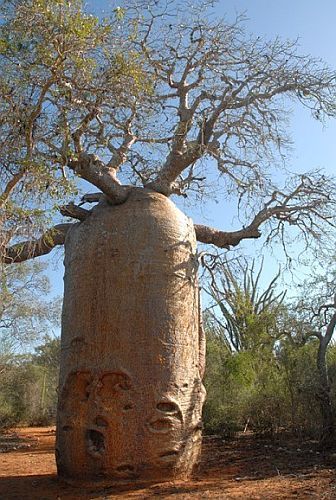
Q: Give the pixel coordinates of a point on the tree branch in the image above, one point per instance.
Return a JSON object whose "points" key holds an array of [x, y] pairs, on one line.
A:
{"points": [[77, 134], [224, 239], [11, 185], [74, 211], [35, 248], [307, 206], [92, 169], [330, 328], [229, 91], [91, 198], [38, 108]]}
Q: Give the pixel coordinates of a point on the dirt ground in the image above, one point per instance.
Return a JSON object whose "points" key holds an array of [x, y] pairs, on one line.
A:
{"points": [[245, 467]]}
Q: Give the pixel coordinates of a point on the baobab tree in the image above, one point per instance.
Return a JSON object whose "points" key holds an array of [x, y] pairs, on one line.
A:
{"points": [[143, 106]]}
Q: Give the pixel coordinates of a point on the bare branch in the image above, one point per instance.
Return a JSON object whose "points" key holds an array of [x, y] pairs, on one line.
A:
{"points": [[38, 108], [225, 239], [11, 184], [120, 154], [92, 169], [228, 98], [35, 248], [78, 133], [308, 206], [74, 211]]}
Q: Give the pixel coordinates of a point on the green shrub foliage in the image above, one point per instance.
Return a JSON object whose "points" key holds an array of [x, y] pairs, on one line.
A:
{"points": [[28, 392]]}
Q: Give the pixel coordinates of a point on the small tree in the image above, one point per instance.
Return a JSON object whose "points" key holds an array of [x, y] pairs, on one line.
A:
{"points": [[25, 314], [246, 319], [317, 307], [29, 381], [248, 316], [47, 357], [297, 362]]}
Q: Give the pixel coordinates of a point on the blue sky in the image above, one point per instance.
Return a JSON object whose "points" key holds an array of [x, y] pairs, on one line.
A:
{"points": [[314, 24], [314, 145]]}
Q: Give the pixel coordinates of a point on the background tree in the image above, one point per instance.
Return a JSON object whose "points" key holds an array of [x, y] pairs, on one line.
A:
{"points": [[47, 359], [317, 307], [28, 391], [28, 385], [270, 368], [244, 384], [248, 316], [25, 313], [160, 91]]}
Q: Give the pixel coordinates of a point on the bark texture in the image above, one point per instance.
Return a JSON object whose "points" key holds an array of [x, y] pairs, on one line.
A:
{"points": [[26, 250], [131, 392], [324, 396]]}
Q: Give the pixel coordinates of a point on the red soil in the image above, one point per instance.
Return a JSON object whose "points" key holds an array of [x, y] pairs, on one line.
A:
{"points": [[242, 468]]}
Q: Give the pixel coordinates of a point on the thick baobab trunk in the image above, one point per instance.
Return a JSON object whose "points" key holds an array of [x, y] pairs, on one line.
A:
{"points": [[131, 393]]}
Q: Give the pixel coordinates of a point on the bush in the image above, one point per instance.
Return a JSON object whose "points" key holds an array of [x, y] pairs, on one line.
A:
{"points": [[27, 396], [272, 391], [28, 393]]}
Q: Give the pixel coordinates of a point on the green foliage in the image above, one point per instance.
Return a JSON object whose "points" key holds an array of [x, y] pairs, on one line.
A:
{"points": [[228, 380], [25, 315], [48, 353], [237, 384], [262, 363], [119, 13], [56, 62], [28, 390], [270, 393]]}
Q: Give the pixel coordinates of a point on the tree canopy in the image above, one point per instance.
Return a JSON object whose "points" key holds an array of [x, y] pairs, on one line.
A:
{"points": [[158, 96], [25, 314]]}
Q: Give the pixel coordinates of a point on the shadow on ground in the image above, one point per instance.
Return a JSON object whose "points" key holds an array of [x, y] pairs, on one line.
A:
{"points": [[241, 468]]}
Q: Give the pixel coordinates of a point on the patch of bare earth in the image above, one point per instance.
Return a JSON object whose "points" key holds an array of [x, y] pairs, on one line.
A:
{"points": [[242, 468]]}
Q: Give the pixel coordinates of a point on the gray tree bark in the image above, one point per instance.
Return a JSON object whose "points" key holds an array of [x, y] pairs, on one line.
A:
{"points": [[131, 393], [324, 396]]}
